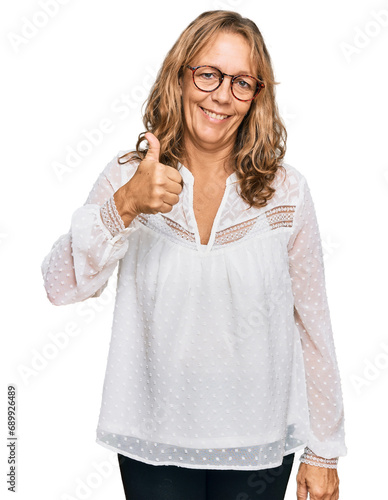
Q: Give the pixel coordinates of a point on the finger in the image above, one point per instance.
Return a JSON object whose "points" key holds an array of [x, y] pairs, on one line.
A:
{"points": [[301, 493], [172, 186], [166, 207], [153, 152], [170, 198], [173, 174]]}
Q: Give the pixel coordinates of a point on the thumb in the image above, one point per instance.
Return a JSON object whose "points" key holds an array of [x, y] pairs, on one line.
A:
{"points": [[153, 152]]}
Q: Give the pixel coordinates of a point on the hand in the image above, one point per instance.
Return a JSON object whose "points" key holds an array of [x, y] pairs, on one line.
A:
{"points": [[153, 188], [320, 482]]}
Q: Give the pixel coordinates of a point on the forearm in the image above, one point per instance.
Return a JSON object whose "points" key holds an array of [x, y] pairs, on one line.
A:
{"points": [[80, 262], [123, 208]]}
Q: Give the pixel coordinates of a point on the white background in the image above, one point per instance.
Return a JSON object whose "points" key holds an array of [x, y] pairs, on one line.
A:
{"points": [[60, 81]]}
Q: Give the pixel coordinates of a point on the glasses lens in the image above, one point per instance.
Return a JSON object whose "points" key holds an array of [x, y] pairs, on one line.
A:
{"points": [[207, 78], [244, 87]]}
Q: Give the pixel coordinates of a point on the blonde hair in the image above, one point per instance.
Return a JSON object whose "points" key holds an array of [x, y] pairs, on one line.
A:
{"points": [[261, 138]]}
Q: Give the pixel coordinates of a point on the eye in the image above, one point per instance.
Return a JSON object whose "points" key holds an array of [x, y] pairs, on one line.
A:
{"points": [[206, 75], [242, 83]]}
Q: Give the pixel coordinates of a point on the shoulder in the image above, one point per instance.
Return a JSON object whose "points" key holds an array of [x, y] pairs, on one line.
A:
{"points": [[289, 184], [121, 168], [293, 175]]}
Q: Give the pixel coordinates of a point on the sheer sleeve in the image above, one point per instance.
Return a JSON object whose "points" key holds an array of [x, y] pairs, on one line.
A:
{"points": [[81, 261], [312, 318]]}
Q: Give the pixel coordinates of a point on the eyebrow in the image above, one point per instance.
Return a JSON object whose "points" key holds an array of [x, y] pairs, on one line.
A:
{"points": [[241, 72]]}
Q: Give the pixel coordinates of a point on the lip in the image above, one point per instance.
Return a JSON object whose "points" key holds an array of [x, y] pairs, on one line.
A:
{"points": [[215, 120]]}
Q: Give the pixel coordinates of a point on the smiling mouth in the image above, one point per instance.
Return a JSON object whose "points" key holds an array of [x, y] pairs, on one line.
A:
{"points": [[214, 115]]}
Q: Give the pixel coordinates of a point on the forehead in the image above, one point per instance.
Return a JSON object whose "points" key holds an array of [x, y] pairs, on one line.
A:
{"points": [[230, 52]]}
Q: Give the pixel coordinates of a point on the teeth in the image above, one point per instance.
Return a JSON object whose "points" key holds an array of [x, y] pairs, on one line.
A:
{"points": [[214, 115]]}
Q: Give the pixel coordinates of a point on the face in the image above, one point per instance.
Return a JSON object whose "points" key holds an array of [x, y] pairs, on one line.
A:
{"points": [[230, 53]]}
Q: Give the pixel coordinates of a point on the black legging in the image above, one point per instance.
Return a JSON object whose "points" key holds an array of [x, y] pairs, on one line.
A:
{"points": [[143, 481]]}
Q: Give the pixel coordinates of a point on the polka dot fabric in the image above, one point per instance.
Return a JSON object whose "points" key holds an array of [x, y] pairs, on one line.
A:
{"points": [[221, 355]]}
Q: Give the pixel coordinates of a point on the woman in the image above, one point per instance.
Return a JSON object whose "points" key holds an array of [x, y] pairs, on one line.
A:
{"points": [[222, 362]]}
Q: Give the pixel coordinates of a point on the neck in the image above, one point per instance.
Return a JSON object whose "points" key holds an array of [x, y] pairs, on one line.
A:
{"points": [[205, 162]]}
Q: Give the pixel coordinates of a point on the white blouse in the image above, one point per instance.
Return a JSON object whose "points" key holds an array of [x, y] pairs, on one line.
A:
{"points": [[222, 355]]}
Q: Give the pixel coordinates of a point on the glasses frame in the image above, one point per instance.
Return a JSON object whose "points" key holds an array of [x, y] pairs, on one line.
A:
{"points": [[259, 87]]}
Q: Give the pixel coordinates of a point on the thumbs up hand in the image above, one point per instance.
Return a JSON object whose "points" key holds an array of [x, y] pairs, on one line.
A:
{"points": [[154, 187]]}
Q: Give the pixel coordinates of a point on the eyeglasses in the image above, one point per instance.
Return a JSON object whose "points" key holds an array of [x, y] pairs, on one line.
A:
{"points": [[209, 78]]}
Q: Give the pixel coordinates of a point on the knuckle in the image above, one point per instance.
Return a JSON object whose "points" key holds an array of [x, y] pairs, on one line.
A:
{"points": [[156, 194], [319, 493], [154, 203], [155, 207], [158, 181], [159, 170]]}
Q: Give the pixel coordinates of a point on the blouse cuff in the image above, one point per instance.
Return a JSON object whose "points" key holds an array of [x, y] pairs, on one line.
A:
{"points": [[111, 217], [310, 458]]}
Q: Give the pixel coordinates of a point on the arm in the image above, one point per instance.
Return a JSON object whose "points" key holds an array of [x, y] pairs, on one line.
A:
{"points": [[312, 318], [81, 261]]}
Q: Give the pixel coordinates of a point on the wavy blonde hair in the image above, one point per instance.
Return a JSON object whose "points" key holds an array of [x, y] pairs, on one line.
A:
{"points": [[261, 137]]}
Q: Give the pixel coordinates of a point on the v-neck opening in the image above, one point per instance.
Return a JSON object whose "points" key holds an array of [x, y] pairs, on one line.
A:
{"points": [[188, 176]]}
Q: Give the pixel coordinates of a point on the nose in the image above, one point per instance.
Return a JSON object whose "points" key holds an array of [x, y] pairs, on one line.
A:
{"points": [[224, 91]]}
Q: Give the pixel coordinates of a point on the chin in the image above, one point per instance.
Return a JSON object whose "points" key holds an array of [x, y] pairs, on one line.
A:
{"points": [[211, 139]]}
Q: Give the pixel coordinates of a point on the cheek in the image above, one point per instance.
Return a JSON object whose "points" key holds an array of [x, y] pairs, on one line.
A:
{"points": [[186, 88], [241, 113], [246, 110], [191, 100]]}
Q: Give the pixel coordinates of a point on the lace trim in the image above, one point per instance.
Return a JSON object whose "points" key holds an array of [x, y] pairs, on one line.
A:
{"points": [[281, 216], [274, 218], [310, 458], [167, 227], [234, 233], [111, 218], [179, 230]]}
